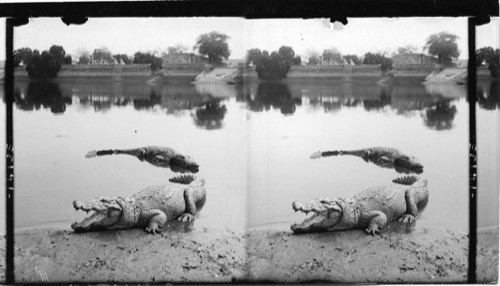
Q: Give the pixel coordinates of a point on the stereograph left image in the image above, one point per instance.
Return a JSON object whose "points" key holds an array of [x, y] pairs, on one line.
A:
{"points": [[223, 150]]}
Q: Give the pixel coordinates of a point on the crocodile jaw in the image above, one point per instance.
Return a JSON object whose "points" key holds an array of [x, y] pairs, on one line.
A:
{"points": [[183, 164], [104, 215], [408, 165], [324, 217]]}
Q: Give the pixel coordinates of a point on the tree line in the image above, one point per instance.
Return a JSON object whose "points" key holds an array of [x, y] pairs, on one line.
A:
{"points": [[48, 63], [442, 46]]}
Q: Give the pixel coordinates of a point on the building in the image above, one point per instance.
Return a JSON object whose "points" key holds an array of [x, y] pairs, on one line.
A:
{"points": [[413, 59], [234, 63], [184, 59]]}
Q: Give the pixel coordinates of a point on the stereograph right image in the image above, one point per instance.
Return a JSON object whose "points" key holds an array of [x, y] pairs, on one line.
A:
{"points": [[219, 150]]}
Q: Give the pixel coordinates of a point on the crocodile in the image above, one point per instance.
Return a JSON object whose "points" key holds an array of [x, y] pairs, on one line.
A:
{"points": [[182, 198], [381, 156], [404, 199], [158, 156]]}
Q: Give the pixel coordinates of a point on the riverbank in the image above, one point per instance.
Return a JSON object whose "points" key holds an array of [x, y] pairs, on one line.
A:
{"points": [[142, 71], [222, 255]]}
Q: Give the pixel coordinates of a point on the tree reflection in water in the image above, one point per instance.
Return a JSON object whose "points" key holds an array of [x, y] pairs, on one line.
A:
{"points": [[41, 94], [210, 116], [488, 96], [146, 104], [441, 116], [275, 95]]}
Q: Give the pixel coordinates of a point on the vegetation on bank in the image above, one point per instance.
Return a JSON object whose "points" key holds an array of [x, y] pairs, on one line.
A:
{"points": [[490, 57], [48, 63], [274, 65]]}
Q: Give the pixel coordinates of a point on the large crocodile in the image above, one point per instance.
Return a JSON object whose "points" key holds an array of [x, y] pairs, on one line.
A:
{"points": [[381, 156], [152, 207], [404, 199], [158, 156]]}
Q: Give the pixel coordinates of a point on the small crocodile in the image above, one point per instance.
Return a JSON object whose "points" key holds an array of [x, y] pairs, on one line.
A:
{"points": [[158, 156], [404, 199], [381, 156], [151, 208]]}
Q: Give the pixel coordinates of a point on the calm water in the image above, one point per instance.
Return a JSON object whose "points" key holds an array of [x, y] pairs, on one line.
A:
{"points": [[252, 142]]}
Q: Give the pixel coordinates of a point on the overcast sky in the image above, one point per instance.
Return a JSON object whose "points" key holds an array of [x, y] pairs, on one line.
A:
{"points": [[129, 35]]}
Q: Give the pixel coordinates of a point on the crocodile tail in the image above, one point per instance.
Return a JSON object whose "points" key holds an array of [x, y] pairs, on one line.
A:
{"points": [[99, 153], [406, 180], [321, 154], [183, 179]]}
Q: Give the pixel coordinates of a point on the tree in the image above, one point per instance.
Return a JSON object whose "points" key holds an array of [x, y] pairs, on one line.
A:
{"points": [[443, 45], [68, 60], [85, 59], [122, 57], [214, 45], [83, 56], [491, 57], [352, 59], [156, 63], [297, 61], [494, 65], [378, 59], [287, 53], [253, 56], [102, 56], [272, 67], [43, 66], [313, 57], [331, 56], [485, 54], [142, 58], [22, 55], [314, 60], [58, 52]]}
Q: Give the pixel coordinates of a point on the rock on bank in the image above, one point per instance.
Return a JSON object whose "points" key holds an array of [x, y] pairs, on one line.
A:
{"points": [[220, 75]]}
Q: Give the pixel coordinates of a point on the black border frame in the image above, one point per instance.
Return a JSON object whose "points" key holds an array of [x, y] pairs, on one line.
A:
{"points": [[478, 12]]}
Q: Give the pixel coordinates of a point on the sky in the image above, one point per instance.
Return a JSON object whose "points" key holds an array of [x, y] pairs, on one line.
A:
{"points": [[360, 35]]}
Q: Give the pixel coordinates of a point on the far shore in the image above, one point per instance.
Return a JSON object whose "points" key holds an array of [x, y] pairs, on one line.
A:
{"points": [[142, 72]]}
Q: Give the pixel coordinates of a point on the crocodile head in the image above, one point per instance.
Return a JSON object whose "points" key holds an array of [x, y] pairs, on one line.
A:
{"points": [[181, 163], [408, 165], [326, 213], [106, 212], [177, 162]]}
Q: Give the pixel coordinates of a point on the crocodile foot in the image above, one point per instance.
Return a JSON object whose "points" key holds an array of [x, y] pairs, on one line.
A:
{"points": [[407, 218], [372, 230], [185, 217], [153, 229]]}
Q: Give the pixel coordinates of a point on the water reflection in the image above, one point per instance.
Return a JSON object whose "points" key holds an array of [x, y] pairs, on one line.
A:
{"points": [[488, 95], [210, 116], [441, 116], [434, 102], [41, 94], [272, 95]]}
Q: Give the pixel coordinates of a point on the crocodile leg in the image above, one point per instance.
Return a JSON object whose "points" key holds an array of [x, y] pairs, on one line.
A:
{"points": [[377, 220], [190, 211], [411, 207], [156, 221]]}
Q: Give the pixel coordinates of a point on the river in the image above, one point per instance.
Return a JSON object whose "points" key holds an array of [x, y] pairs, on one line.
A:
{"points": [[252, 142]]}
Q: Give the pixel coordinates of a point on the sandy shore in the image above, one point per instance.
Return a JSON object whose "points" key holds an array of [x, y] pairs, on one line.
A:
{"points": [[223, 255]]}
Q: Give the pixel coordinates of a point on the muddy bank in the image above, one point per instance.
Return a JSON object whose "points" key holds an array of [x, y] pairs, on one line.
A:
{"points": [[427, 256], [223, 255]]}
